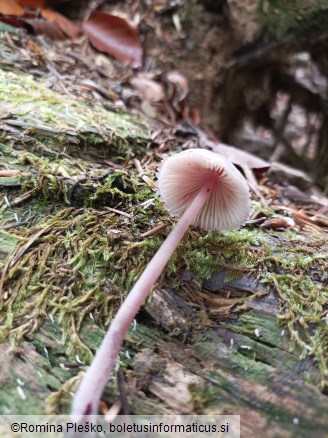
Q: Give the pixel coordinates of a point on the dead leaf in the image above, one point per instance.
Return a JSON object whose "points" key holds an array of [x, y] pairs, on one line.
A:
{"points": [[179, 80], [34, 48], [33, 4], [66, 26], [291, 175], [194, 116], [276, 223], [149, 182], [114, 35], [321, 219], [93, 86], [11, 13], [10, 8], [55, 25], [292, 194], [237, 156], [301, 218], [240, 157], [147, 108], [43, 27], [148, 88], [17, 20]]}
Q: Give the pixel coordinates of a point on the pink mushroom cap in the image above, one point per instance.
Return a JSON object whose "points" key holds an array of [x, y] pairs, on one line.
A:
{"points": [[182, 176]]}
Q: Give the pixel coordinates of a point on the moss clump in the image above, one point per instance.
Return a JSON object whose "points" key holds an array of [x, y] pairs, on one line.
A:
{"points": [[203, 253], [302, 284], [47, 114], [53, 184], [289, 20], [86, 261], [117, 187]]}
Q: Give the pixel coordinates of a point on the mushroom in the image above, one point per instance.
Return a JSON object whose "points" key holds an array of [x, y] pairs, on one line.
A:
{"points": [[205, 190]]}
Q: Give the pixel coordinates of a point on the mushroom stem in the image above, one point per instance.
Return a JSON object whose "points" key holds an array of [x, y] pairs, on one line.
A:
{"points": [[87, 397]]}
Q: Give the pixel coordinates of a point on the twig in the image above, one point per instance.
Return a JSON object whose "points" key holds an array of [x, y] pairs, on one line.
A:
{"points": [[9, 172], [138, 166], [123, 392], [114, 210], [13, 225], [22, 198], [154, 230]]}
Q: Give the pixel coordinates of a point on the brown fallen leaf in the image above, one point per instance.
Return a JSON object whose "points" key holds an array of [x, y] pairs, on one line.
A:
{"points": [[34, 48], [301, 216], [148, 88], [10, 8], [240, 157], [33, 4], [91, 85], [194, 116], [149, 182], [43, 27], [69, 29], [180, 82], [55, 25], [114, 35], [12, 13], [321, 219], [276, 223], [237, 156]]}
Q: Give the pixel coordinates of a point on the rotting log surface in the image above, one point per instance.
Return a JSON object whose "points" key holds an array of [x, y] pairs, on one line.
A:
{"points": [[211, 347]]}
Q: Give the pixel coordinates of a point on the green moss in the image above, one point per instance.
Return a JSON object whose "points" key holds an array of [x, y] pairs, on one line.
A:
{"points": [[86, 252], [292, 272], [83, 253], [66, 139], [204, 253], [8, 243], [214, 393], [292, 19], [47, 112]]}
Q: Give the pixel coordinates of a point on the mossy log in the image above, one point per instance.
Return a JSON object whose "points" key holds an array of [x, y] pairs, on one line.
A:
{"points": [[236, 325]]}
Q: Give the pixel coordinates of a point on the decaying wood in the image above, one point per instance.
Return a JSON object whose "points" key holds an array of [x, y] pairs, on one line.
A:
{"points": [[232, 342]]}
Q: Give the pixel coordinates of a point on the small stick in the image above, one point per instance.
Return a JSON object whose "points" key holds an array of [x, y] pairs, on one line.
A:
{"points": [[123, 392], [154, 230], [13, 225]]}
